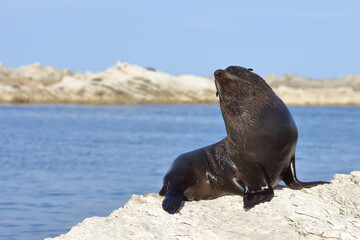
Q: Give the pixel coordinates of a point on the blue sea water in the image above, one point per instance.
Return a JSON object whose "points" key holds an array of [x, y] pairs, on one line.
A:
{"points": [[61, 164]]}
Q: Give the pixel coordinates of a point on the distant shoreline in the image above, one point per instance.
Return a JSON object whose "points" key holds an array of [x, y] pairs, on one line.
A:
{"points": [[126, 84], [40, 104]]}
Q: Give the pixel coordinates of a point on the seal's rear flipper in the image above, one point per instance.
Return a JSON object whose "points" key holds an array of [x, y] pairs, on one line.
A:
{"points": [[172, 201], [289, 177]]}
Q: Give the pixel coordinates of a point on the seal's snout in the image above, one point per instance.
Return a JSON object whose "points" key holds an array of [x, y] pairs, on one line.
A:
{"points": [[218, 73]]}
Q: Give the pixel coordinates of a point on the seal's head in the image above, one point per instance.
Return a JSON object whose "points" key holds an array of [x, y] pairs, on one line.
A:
{"points": [[243, 96], [239, 83]]}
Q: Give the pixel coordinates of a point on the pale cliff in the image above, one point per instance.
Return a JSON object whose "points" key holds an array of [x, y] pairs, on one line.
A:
{"points": [[131, 84], [330, 211]]}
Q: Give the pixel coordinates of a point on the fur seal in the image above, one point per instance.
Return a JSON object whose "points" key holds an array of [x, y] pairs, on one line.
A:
{"points": [[257, 153]]}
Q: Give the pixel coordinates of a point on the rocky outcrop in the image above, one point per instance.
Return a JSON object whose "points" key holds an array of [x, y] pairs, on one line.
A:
{"points": [[330, 211], [121, 84], [32, 75], [294, 81], [298, 90], [339, 96], [130, 84]]}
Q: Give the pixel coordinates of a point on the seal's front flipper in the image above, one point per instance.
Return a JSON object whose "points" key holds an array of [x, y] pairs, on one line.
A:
{"points": [[257, 187], [172, 201], [253, 198], [289, 177]]}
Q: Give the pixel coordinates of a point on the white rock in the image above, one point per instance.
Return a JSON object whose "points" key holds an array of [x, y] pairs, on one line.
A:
{"points": [[34, 74], [329, 211]]}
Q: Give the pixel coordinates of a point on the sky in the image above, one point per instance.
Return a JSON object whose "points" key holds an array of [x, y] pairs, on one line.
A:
{"points": [[312, 38]]}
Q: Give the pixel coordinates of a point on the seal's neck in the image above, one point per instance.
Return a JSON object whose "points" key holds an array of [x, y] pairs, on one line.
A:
{"points": [[238, 126], [242, 117]]}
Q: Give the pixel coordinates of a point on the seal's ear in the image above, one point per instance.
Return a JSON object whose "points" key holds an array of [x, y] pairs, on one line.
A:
{"points": [[249, 70]]}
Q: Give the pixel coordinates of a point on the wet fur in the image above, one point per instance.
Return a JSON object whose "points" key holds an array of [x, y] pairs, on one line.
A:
{"points": [[258, 152]]}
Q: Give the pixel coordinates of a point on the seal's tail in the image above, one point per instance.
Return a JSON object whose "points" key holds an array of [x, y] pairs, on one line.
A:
{"points": [[289, 177]]}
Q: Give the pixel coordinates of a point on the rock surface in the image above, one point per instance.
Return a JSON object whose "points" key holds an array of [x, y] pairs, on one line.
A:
{"points": [[130, 84], [329, 211]]}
